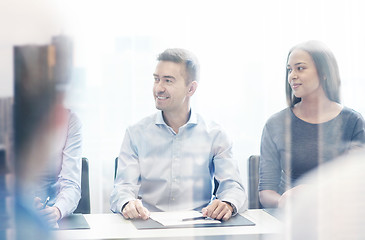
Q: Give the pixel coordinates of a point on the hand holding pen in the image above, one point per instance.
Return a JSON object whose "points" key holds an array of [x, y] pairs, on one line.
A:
{"points": [[45, 203], [218, 210], [38, 203], [51, 214]]}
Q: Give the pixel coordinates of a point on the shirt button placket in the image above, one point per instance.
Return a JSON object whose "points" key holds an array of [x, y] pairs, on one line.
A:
{"points": [[175, 168]]}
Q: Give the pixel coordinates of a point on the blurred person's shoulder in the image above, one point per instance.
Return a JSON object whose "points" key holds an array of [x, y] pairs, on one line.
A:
{"points": [[342, 170], [333, 204]]}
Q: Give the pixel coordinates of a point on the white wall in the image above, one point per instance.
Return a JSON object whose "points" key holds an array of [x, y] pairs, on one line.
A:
{"points": [[24, 22], [242, 47]]}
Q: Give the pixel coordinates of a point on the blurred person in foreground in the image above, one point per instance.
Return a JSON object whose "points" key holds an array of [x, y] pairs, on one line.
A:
{"points": [[40, 120], [168, 161], [314, 129], [332, 206]]}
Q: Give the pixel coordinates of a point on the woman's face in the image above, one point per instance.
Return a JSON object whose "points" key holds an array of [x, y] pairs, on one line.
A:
{"points": [[302, 75]]}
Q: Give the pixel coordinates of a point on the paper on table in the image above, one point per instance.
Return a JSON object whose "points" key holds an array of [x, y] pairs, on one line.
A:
{"points": [[176, 218]]}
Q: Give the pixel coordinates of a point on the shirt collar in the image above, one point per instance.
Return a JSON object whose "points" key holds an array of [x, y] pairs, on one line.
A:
{"points": [[193, 120]]}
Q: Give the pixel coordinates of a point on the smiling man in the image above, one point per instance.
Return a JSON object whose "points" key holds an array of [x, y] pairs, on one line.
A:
{"points": [[168, 161]]}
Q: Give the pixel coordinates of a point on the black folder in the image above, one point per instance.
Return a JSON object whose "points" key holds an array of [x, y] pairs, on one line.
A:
{"points": [[237, 220], [74, 221]]}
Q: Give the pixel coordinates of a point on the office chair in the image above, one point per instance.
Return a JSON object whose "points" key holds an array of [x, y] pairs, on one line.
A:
{"points": [[253, 182], [216, 184], [115, 167], [84, 203]]}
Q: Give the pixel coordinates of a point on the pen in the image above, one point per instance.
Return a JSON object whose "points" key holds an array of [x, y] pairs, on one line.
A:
{"points": [[194, 218], [45, 203]]}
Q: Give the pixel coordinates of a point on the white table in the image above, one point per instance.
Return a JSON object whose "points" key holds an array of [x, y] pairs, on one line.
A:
{"points": [[114, 226]]}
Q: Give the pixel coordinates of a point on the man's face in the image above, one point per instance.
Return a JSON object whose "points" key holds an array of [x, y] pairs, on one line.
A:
{"points": [[170, 90]]}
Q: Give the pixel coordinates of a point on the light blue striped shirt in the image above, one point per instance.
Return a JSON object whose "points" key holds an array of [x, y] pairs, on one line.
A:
{"points": [[61, 179], [172, 172]]}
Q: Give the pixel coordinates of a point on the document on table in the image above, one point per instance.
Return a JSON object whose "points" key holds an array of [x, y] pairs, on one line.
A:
{"points": [[176, 218]]}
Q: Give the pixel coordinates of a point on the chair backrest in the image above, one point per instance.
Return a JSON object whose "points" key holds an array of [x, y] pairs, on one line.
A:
{"points": [[84, 203], [115, 167], [253, 182], [216, 184]]}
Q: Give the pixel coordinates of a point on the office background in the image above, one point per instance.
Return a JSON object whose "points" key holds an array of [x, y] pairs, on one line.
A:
{"points": [[242, 47]]}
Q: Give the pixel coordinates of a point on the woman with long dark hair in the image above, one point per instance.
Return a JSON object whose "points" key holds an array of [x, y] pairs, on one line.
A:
{"points": [[315, 128]]}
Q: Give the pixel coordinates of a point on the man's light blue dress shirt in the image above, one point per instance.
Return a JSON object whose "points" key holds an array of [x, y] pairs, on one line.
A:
{"points": [[61, 179], [172, 172]]}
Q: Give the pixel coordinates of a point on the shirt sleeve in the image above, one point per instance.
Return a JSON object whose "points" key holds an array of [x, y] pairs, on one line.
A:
{"points": [[358, 137], [127, 181], [230, 188], [269, 168], [69, 178]]}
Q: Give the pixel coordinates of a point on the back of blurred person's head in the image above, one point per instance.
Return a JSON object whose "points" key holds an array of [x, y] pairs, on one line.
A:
{"points": [[40, 72]]}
